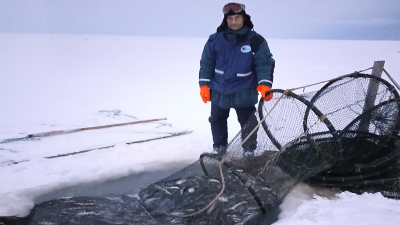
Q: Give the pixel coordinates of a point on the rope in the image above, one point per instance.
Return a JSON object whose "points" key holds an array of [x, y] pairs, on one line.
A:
{"points": [[303, 87], [229, 156], [216, 198], [364, 70]]}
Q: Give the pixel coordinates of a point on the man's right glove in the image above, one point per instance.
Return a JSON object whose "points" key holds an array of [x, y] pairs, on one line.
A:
{"points": [[263, 90], [205, 93]]}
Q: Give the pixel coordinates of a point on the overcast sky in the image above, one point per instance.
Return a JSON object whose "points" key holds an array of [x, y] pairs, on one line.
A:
{"points": [[315, 19]]}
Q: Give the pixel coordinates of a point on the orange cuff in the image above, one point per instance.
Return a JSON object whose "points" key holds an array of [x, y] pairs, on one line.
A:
{"points": [[264, 90]]}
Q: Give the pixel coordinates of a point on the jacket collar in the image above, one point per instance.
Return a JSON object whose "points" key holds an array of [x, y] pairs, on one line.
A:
{"points": [[241, 31], [234, 37]]}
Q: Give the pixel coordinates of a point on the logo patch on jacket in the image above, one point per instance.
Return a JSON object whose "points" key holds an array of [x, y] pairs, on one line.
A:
{"points": [[245, 48]]}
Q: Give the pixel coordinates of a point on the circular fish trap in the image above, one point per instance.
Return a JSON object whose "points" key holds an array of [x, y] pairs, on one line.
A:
{"points": [[364, 111], [367, 119]]}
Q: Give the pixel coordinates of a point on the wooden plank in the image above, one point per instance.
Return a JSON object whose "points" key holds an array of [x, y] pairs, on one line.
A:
{"points": [[128, 143], [60, 132], [169, 135]]}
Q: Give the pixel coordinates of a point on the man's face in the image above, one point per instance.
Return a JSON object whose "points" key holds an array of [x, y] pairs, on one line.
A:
{"points": [[235, 22]]}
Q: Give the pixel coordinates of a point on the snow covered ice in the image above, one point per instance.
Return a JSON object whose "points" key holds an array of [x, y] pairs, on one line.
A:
{"points": [[56, 82]]}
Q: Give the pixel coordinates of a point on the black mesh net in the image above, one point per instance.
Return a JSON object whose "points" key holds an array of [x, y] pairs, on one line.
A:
{"points": [[346, 136]]}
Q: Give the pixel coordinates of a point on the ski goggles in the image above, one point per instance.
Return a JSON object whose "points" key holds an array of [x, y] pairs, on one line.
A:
{"points": [[235, 7]]}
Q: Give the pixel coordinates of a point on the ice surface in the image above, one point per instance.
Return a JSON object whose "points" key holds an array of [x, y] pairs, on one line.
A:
{"points": [[55, 82]]}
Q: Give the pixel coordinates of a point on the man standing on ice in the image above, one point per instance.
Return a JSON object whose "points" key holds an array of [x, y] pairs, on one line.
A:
{"points": [[236, 63]]}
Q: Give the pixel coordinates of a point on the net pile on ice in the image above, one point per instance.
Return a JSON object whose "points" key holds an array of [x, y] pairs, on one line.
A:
{"points": [[346, 135]]}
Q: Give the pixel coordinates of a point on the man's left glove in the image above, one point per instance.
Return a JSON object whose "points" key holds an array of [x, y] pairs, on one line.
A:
{"points": [[263, 90], [205, 93]]}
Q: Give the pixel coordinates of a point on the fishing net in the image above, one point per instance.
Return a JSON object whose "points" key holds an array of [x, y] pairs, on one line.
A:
{"points": [[346, 136]]}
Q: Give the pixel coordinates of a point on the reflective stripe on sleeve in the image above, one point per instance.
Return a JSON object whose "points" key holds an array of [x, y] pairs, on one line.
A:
{"points": [[244, 74], [265, 81], [208, 80]]}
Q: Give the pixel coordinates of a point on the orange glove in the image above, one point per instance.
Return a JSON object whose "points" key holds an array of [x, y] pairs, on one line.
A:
{"points": [[263, 90], [205, 93]]}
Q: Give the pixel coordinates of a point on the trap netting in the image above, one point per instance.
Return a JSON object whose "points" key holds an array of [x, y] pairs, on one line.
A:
{"points": [[366, 116], [345, 135]]}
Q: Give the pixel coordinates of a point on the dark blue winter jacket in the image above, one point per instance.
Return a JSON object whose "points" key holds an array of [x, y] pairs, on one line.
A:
{"points": [[232, 70]]}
